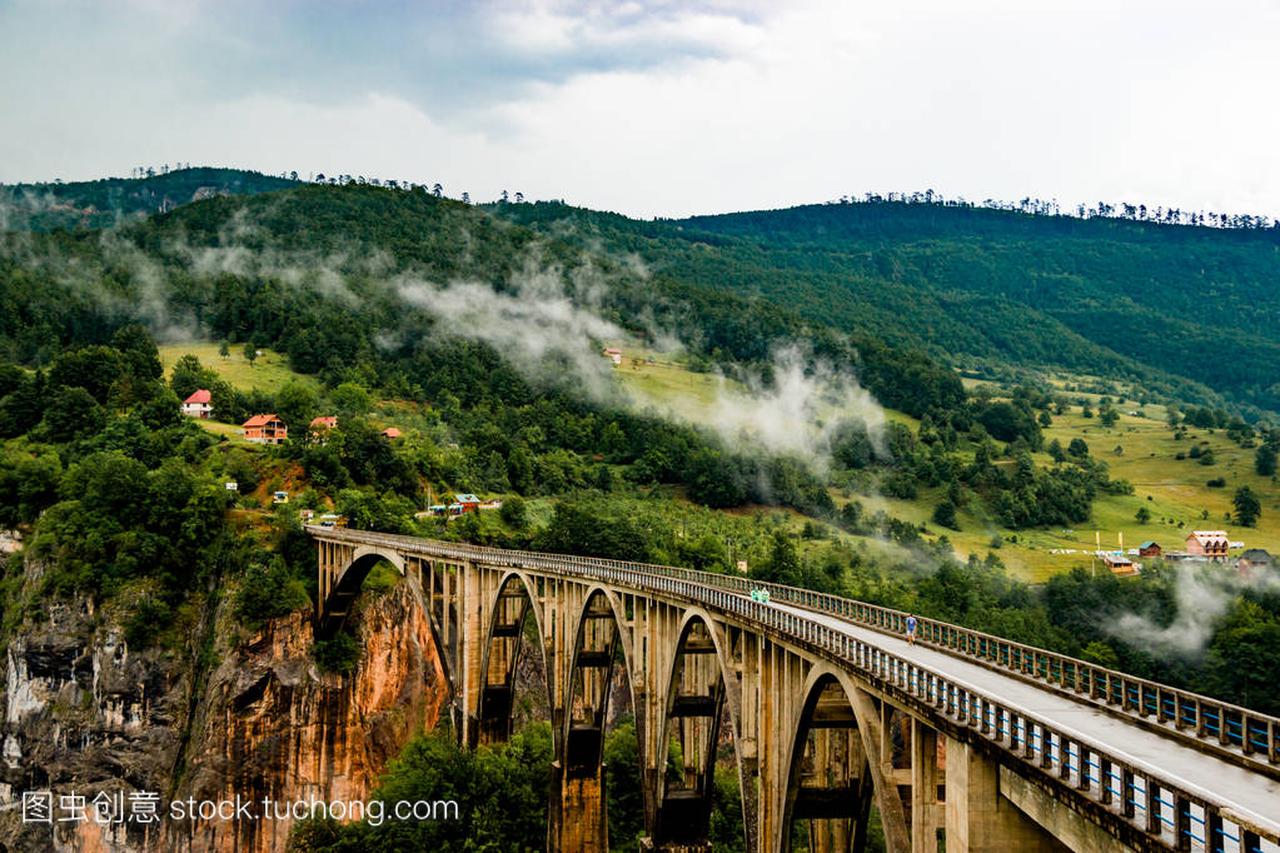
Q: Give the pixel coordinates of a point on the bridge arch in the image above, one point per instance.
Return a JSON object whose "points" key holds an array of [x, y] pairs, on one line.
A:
{"points": [[515, 603], [339, 594], [699, 692], [830, 779], [600, 638]]}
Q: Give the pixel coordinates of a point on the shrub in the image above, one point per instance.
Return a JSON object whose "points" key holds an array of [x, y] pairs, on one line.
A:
{"points": [[267, 592], [338, 654]]}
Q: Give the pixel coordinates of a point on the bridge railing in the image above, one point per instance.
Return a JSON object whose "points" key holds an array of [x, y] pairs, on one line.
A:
{"points": [[1222, 727], [1150, 801]]}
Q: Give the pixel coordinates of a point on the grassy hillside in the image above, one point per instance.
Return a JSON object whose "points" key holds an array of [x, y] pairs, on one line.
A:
{"points": [[1174, 492], [268, 372]]}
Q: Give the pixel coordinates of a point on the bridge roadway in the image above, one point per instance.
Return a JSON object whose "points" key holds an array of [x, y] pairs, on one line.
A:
{"points": [[1246, 793]]}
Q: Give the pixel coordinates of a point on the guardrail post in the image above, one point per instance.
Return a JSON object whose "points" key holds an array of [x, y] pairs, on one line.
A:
{"points": [[1154, 825], [1128, 792], [1214, 836], [1182, 825]]}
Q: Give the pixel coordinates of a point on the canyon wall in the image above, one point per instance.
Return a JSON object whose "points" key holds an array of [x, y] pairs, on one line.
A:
{"points": [[232, 715]]}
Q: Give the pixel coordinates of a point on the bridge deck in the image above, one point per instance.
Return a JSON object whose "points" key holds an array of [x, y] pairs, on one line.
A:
{"points": [[1251, 794]]}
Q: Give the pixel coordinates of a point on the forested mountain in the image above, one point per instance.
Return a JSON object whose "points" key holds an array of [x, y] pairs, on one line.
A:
{"points": [[1191, 311], [476, 332], [253, 266], [95, 204]]}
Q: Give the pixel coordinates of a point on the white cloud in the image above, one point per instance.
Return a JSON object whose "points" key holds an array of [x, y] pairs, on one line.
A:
{"points": [[667, 108]]}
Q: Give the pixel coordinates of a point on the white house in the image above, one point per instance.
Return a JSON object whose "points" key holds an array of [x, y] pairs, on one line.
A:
{"points": [[198, 405]]}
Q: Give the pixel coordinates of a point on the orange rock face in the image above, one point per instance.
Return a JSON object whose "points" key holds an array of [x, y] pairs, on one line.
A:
{"points": [[275, 728]]}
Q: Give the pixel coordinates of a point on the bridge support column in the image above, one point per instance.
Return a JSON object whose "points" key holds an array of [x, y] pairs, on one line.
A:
{"points": [[978, 818], [471, 636], [578, 818], [926, 813]]}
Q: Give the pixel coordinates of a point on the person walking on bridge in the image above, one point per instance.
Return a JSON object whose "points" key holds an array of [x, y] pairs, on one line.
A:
{"points": [[911, 629]]}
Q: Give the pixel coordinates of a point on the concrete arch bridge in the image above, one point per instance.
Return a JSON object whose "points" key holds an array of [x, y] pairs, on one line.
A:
{"points": [[963, 737]]}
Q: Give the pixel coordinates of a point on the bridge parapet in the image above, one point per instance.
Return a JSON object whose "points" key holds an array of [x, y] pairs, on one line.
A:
{"points": [[1140, 804]]}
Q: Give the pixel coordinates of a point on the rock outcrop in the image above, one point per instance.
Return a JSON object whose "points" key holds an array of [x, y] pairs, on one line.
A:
{"points": [[233, 717]]}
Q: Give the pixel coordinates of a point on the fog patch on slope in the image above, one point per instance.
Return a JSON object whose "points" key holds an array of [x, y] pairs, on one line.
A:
{"points": [[797, 410], [534, 324], [1203, 594]]}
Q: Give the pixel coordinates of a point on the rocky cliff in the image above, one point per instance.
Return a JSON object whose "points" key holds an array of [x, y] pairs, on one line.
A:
{"points": [[230, 716]]}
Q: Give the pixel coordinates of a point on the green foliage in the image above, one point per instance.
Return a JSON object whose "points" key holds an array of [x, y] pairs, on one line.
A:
{"points": [[365, 510], [581, 525], [351, 399], [296, 404], [513, 512], [72, 413], [29, 478], [1009, 422], [945, 514], [783, 565], [623, 784], [339, 654], [268, 591], [500, 792], [1264, 460], [1000, 286], [1248, 507], [1244, 657]]}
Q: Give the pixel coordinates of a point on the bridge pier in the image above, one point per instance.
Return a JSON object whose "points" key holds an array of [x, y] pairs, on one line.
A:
{"points": [[926, 811], [978, 818], [578, 820]]}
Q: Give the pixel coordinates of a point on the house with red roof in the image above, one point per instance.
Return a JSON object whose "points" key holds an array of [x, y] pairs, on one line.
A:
{"points": [[265, 429], [199, 404]]}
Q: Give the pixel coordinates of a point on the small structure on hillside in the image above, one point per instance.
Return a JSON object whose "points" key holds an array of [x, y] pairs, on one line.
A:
{"points": [[1254, 561], [320, 427], [613, 354], [1212, 544], [391, 433], [466, 502], [1150, 548], [1119, 564], [280, 497], [265, 429], [199, 404]]}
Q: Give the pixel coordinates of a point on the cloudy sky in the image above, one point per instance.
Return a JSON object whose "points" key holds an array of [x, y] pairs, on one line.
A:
{"points": [[663, 108]]}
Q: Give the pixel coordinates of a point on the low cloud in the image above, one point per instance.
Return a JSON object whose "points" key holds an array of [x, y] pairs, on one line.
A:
{"points": [[534, 324], [797, 411], [1203, 595]]}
